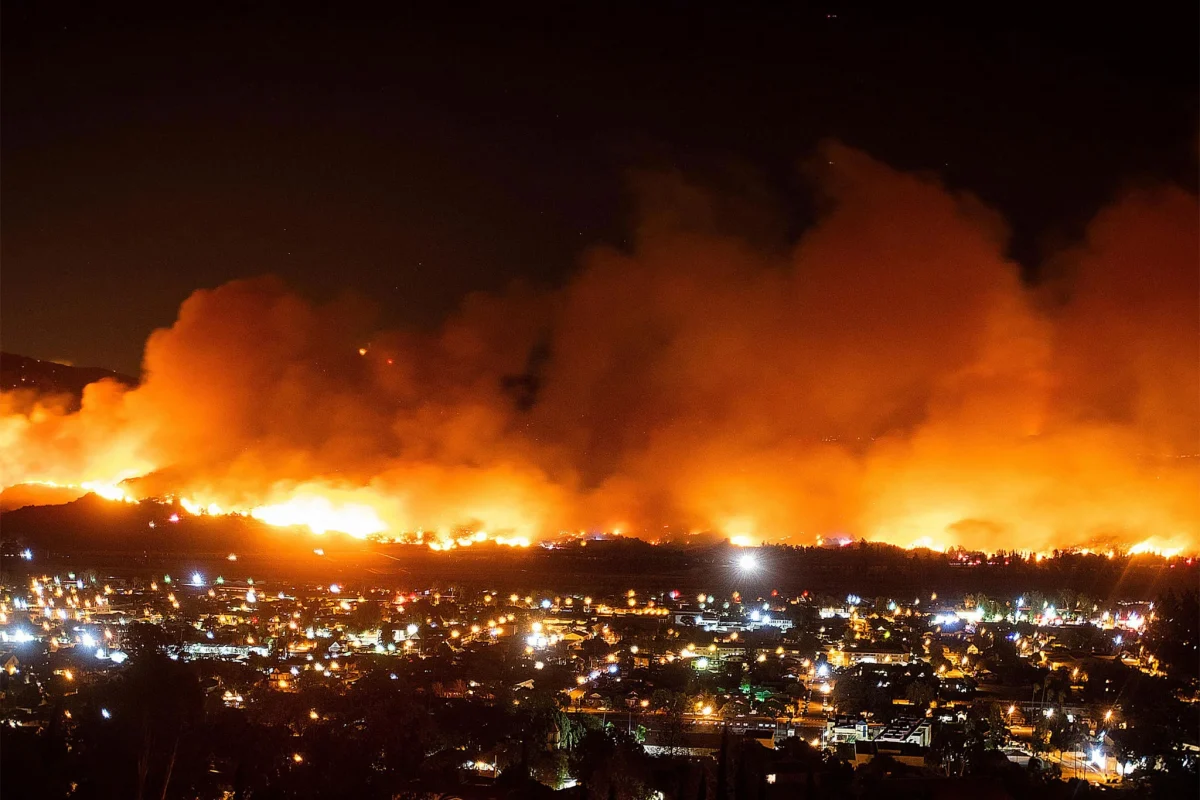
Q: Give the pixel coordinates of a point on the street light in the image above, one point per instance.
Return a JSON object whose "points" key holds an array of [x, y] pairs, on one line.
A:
{"points": [[747, 562]]}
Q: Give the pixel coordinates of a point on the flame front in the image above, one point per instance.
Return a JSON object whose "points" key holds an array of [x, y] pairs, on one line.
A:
{"points": [[320, 515]]}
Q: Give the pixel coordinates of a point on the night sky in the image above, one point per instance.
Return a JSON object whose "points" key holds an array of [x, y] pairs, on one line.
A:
{"points": [[414, 159]]}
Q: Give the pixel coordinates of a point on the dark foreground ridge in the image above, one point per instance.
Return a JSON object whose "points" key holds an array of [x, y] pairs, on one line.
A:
{"points": [[124, 536]]}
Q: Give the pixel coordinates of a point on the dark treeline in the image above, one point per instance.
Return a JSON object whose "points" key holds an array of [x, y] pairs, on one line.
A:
{"points": [[93, 533]]}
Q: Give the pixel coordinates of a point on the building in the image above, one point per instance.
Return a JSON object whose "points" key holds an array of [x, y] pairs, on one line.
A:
{"points": [[868, 654], [909, 754], [846, 729], [906, 730]]}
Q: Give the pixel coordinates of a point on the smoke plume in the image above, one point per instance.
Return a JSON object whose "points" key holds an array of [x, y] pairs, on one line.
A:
{"points": [[889, 376]]}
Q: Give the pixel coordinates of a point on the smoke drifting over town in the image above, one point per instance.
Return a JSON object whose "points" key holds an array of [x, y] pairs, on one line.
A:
{"points": [[887, 376]]}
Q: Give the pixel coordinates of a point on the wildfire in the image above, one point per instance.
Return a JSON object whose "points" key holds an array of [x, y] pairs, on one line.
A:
{"points": [[196, 509], [320, 516], [890, 377], [1159, 547], [448, 543], [109, 491]]}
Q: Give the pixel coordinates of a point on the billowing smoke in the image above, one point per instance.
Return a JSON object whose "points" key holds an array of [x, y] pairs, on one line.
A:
{"points": [[888, 376]]}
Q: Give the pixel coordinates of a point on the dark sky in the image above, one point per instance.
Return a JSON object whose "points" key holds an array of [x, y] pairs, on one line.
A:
{"points": [[414, 158]]}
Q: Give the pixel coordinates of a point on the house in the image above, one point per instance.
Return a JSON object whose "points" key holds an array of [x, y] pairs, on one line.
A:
{"points": [[912, 755], [10, 663], [866, 654], [846, 729], [572, 637], [595, 700]]}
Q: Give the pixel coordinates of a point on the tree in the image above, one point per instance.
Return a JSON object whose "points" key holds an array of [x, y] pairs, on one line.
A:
{"points": [[1043, 728], [949, 749], [1056, 686], [986, 726], [151, 710], [367, 615], [609, 762], [1174, 634], [32, 763], [937, 656], [142, 639], [594, 648], [1151, 739], [723, 766], [674, 705], [920, 694], [850, 694], [853, 695], [550, 769]]}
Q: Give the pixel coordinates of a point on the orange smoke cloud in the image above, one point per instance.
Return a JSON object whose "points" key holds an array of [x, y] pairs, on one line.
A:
{"points": [[888, 376]]}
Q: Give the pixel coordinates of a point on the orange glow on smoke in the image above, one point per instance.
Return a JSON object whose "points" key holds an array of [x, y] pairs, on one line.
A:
{"points": [[888, 376]]}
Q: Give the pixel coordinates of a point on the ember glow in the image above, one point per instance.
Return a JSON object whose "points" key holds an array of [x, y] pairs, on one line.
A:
{"points": [[889, 376]]}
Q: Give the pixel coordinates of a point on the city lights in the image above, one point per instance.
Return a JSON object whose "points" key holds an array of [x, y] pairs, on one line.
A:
{"points": [[737, 633]]}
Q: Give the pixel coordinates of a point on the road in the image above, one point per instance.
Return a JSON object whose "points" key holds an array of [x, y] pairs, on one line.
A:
{"points": [[647, 718], [1075, 765]]}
